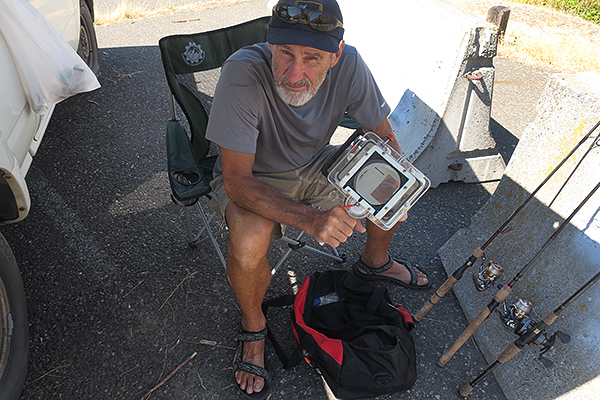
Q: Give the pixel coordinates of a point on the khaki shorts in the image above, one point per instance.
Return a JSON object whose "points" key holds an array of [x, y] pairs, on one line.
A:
{"points": [[305, 184]]}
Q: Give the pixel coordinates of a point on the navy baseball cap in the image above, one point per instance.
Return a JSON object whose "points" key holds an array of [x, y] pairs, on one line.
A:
{"points": [[313, 23]]}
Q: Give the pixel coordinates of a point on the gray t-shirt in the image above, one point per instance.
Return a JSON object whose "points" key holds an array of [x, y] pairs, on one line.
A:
{"points": [[248, 116]]}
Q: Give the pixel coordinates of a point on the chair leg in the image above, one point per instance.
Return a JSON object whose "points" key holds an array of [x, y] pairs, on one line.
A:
{"points": [[297, 244], [188, 226], [193, 240], [206, 222], [198, 238]]}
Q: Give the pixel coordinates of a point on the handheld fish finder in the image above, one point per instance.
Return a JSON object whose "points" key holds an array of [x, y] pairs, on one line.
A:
{"points": [[377, 181]]}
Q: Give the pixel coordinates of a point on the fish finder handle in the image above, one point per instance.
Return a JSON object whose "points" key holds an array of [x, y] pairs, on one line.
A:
{"points": [[335, 156]]}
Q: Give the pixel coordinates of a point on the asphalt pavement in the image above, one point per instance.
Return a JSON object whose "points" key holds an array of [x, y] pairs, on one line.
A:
{"points": [[116, 298]]}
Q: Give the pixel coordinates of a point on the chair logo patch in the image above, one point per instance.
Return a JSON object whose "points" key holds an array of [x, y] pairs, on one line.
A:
{"points": [[193, 55]]}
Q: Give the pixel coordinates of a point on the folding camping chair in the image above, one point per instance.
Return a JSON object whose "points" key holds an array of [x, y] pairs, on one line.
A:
{"points": [[192, 66]]}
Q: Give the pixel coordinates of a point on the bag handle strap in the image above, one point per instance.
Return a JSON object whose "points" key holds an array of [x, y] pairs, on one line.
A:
{"points": [[285, 300], [375, 300], [296, 356]]}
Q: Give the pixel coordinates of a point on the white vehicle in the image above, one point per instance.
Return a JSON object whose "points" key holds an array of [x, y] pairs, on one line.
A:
{"points": [[21, 131]]}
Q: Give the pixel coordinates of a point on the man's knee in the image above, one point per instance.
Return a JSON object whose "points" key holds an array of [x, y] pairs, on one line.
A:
{"points": [[249, 233]]}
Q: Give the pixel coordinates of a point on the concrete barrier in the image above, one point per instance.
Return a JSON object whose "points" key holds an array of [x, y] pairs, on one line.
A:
{"points": [[420, 53], [567, 109]]}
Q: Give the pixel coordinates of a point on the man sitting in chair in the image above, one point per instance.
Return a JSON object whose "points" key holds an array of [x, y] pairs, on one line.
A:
{"points": [[275, 109]]}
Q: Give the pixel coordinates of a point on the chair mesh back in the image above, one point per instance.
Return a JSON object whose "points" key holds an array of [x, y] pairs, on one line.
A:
{"points": [[192, 66]]}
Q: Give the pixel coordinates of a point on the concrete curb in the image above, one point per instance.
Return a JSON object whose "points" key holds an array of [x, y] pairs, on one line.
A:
{"points": [[567, 109]]}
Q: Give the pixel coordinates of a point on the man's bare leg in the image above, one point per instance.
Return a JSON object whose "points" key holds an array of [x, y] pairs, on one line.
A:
{"points": [[249, 274], [375, 253]]}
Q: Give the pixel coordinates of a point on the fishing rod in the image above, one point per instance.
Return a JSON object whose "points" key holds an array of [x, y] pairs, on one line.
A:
{"points": [[480, 251], [531, 332], [595, 143], [506, 289]]}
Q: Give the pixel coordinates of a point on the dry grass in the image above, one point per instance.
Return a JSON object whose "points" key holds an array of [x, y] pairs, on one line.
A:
{"points": [[126, 11], [542, 37], [555, 51]]}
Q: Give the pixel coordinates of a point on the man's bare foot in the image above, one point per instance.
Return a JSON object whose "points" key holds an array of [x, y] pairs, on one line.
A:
{"points": [[249, 364], [253, 354]]}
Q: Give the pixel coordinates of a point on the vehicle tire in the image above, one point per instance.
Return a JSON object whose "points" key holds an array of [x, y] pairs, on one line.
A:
{"points": [[14, 327], [88, 45]]}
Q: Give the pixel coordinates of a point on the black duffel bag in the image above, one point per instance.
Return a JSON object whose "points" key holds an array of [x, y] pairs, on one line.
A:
{"points": [[351, 334]]}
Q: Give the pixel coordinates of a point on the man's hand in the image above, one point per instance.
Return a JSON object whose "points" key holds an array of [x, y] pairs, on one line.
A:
{"points": [[334, 226], [383, 131]]}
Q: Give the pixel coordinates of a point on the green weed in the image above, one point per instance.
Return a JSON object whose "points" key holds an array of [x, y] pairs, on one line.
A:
{"points": [[586, 9]]}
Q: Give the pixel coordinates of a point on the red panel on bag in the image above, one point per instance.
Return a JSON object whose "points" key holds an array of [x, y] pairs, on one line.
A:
{"points": [[405, 314], [333, 347]]}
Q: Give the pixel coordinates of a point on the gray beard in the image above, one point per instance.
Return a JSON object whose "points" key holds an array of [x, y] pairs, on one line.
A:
{"points": [[296, 99]]}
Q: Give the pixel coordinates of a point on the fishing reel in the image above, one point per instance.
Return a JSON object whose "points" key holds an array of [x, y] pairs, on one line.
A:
{"points": [[528, 325], [377, 181], [515, 313], [487, 275]]}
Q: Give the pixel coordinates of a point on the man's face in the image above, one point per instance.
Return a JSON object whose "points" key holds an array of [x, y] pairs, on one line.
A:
{"points": [[299, 71]]}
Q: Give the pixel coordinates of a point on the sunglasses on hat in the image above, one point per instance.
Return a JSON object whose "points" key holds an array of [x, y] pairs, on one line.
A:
{"points": [[317, 20]]}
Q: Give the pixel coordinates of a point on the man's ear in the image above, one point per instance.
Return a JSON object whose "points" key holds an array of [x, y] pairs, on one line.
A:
{"points": [[336, 56]]}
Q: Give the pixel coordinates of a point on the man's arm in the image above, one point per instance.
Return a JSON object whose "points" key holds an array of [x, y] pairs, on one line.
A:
{"points": [[332, 226], [385, 129]]}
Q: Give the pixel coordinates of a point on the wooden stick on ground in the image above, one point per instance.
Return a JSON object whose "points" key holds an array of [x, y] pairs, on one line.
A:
{"points": [[179, 21], [169, 376]]}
